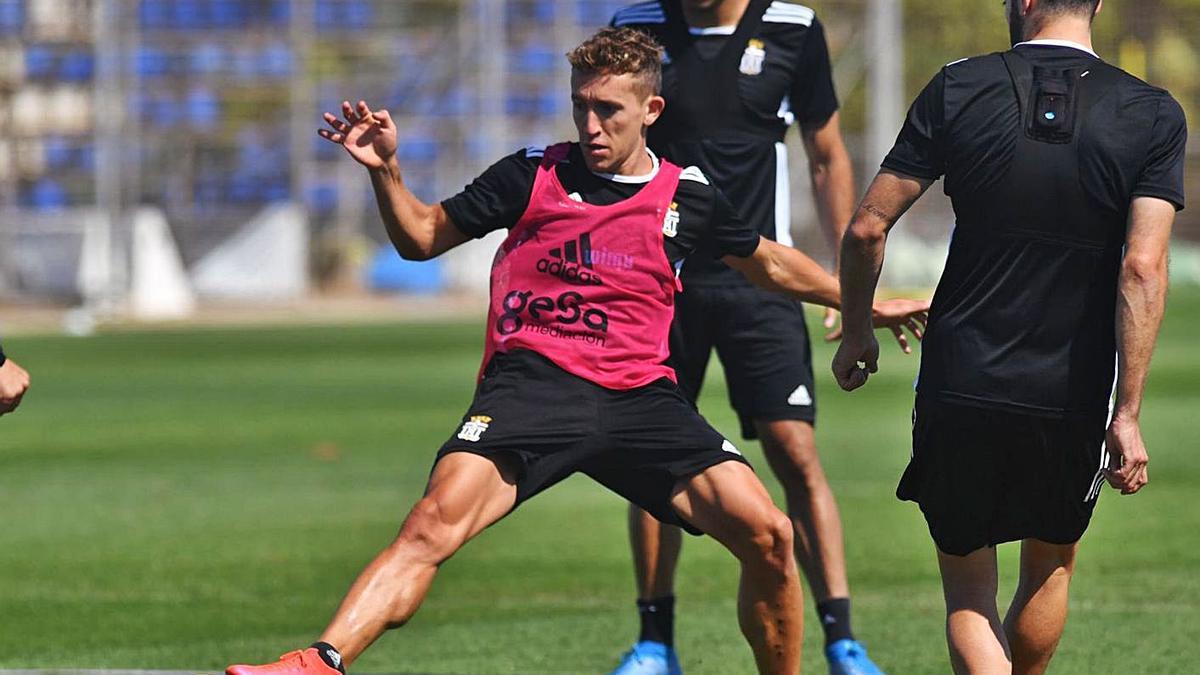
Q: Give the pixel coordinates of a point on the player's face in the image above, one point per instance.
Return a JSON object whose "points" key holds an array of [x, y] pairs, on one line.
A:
{"points": [[611, 113]]}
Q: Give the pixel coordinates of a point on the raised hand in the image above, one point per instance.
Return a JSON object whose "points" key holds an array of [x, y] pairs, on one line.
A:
{"points": [[369, 136]]}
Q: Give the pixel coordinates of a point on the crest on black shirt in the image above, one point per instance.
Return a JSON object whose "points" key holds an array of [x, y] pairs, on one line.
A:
{"points": [[753, 57]]}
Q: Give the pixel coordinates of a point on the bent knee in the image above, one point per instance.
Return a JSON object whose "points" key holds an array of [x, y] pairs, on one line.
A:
{"points": [[772, 540], [427, 533]]}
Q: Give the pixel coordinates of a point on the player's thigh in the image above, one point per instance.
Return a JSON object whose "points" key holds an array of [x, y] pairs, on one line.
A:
{"points": [[790, 447], [1042, 560], [471, 491], [728, 502], [970, 580]]}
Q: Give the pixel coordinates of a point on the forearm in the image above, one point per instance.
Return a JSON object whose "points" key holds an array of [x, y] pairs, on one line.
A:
{"points": [[411, 224], [833, 191], [861, 261], [787, 270], [1141, 302]]}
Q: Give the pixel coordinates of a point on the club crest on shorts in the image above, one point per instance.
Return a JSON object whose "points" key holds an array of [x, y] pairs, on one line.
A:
{"points": [[473, 428], [671, 222], [753, 57]]}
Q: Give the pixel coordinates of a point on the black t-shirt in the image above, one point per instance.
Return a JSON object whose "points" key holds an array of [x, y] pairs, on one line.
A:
{"points": [[499, 196], [1042, 148], [731, 97]]}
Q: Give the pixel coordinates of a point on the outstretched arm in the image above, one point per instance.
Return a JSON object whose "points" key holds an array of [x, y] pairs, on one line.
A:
{"points": [[784, 269], [890, 195], [419, 231], [1141, 302]]}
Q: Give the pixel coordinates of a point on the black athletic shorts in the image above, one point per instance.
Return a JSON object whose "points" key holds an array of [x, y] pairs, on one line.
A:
{"points": [[762, 341], [984, 476], [638, 443]]}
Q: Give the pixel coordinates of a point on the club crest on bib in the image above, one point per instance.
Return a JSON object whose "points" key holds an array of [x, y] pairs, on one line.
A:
{"points": [[671, 222], [753, 57], [473, 428]]}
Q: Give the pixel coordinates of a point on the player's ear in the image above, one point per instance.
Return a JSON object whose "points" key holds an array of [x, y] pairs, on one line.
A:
{"points": [[654, 108], [1099, 6]]}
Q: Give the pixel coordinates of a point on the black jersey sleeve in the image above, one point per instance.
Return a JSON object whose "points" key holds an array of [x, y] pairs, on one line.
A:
{"points": [[708, 224], [813, 97], [1162, 177], [918, 151], [497, 198]]}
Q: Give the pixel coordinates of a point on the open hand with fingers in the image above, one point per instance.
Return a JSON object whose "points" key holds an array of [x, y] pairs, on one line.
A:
{"points": [[896, 315], [368, 135], [1128, 460]]}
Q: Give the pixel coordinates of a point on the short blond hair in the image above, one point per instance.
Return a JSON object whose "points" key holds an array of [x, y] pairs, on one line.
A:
{"points": [[621, 51]]}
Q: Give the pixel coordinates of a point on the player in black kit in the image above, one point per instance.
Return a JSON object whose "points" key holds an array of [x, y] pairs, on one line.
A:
{"points": [[1065, 173], [737, 75]]}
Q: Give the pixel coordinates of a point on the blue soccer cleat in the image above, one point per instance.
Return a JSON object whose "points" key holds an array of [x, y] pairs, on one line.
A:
{"points": [[848, 657], [649, 658]]}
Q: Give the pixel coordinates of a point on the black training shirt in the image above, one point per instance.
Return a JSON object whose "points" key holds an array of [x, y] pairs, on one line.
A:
{"points": [[1042, 148], [498, 198], [731, 97]]}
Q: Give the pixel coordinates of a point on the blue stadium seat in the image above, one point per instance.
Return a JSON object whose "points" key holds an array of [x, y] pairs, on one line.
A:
{"points": [[418, 149], [228, 13], [275, 60], [357, 14], [280, 12], [536, 59], [154, 13], [206, 58], [543, 11], [12, 16], [389, 272], [47, 195], [322, 198], [58, 152], [151, 62], [39, 61], [551, 102], [203, 108], [188, 14], [86, 156], [77, 66]]}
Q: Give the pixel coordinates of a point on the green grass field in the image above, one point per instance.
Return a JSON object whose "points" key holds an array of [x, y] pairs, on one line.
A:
{"points": [[183, 500]]}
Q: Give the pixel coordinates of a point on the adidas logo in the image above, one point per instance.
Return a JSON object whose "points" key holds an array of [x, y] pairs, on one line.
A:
{"points": [[800, 396], [572, 262], [828, 620], [335, 657]]}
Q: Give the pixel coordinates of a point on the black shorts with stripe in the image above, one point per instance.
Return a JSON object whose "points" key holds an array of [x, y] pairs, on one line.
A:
{"points": [[984, 476], [761, 339], [638, 443]]}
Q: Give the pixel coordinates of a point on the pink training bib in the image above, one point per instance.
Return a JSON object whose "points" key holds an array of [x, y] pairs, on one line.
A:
{"points": [[589, 287]]}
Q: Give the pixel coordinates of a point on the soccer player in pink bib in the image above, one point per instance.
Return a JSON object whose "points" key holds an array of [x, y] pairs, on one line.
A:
{"points": [[574, 377]]}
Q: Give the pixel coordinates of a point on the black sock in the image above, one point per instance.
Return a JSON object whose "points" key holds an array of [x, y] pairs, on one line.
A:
{"points": [[658, 620], [330, 655], [835, 619]]}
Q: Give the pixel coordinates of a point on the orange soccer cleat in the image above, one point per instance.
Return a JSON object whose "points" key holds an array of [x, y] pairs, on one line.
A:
{"points": [[300, 662]]}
